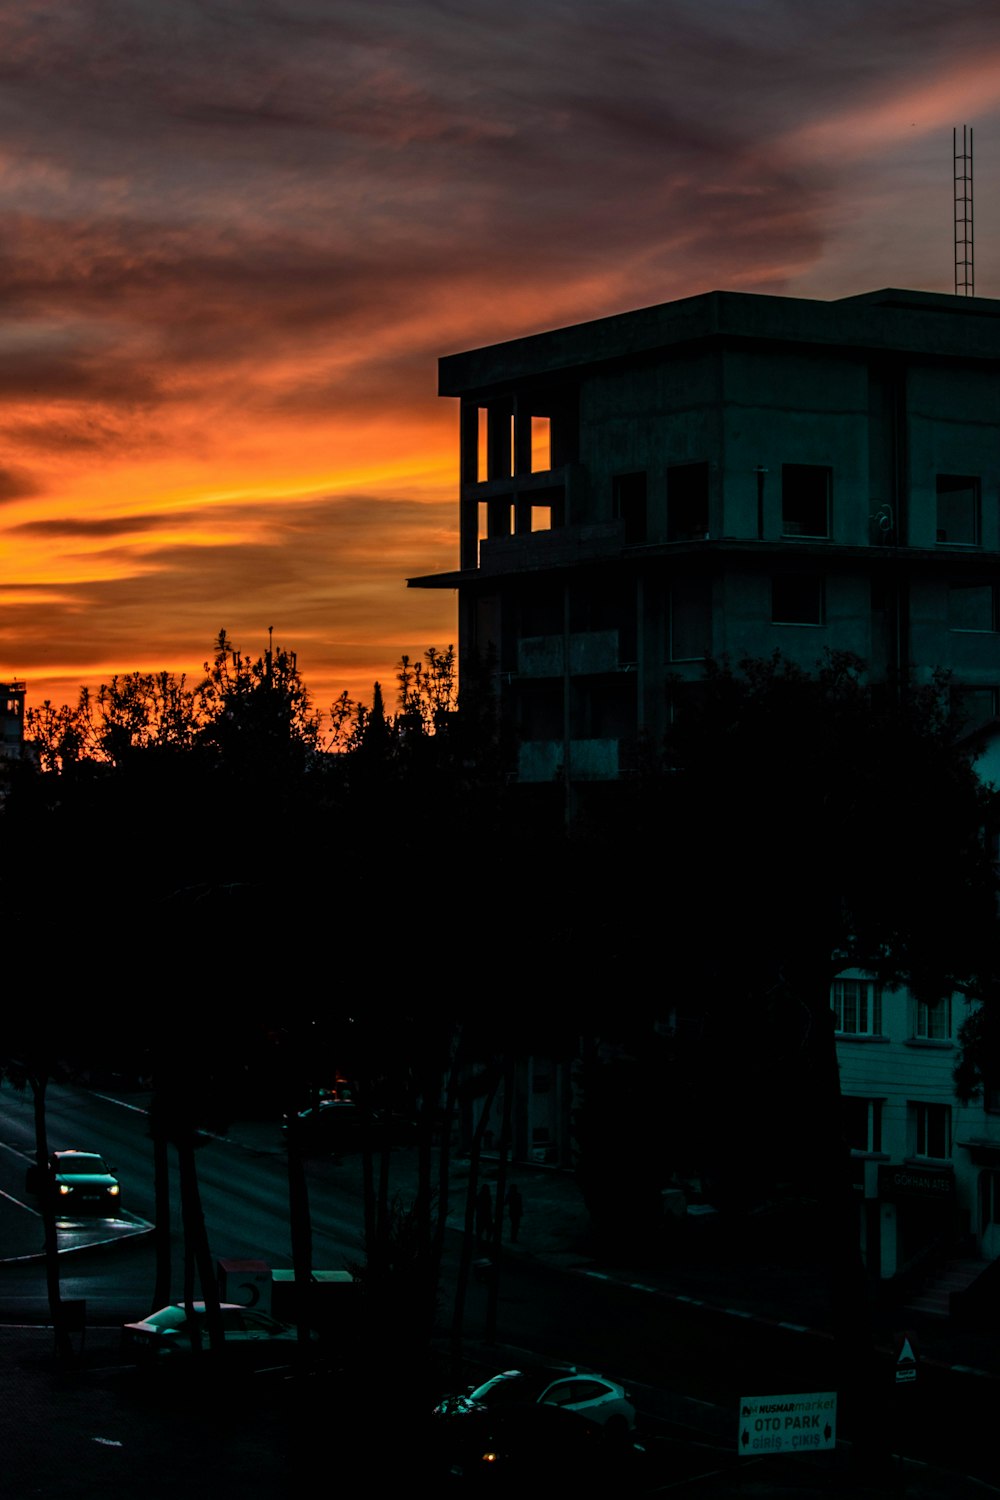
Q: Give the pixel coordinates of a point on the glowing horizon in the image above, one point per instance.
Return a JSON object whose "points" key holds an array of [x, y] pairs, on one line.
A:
{"points": [[235, 246]]}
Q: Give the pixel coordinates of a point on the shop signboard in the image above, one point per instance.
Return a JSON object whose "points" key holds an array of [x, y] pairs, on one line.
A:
{"points": [[804, 1422], [904, 1182]]}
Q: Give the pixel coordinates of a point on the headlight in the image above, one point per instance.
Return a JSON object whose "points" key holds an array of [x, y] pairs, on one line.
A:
{"points": [[114, 1190], [64, 1189]]}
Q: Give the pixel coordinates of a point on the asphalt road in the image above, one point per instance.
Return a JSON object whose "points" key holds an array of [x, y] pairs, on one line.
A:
{"points": [[244, 1196], [685, 1366]]}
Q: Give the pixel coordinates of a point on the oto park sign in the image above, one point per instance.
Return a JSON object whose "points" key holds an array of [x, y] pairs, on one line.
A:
{"points": [[801, 1423]]}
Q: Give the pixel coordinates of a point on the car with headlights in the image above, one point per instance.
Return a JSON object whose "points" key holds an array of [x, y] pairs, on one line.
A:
{"points": [[593, 1396], [81, 1182], [247, 1332], [529, 1449]]}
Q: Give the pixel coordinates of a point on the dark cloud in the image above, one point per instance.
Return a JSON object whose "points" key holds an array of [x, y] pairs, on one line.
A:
{"points": [[17, 484], [78, 526], [235, 233]]}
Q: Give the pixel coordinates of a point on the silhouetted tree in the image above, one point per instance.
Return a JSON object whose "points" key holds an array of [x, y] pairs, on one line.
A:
{"points": [[256, 714], [30, 1064]]}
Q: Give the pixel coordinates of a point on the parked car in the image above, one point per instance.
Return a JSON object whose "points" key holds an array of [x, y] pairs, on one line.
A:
{"points": [[529, 1448], [168, 1334], [81, 1181], [593, 1396], [331, 1125], [338, 1124]]}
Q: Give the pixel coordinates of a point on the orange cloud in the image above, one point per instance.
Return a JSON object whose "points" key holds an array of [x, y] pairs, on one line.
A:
{"points": [[236, 241]]}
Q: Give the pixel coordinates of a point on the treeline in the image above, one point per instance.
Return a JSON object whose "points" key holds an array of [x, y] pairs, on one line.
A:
{"points": [[200, 853], [150, 804]]}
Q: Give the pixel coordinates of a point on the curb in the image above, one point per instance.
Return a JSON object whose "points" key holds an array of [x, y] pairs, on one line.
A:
{"points": [[139, 1231], [759, 1318]]}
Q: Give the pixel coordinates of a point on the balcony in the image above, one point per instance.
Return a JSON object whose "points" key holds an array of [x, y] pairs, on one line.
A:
{"points": [[561, 547], [590, 760], [590, 651]]}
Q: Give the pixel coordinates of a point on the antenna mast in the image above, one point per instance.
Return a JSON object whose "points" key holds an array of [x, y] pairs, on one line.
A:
{"points": [[965, 273]]}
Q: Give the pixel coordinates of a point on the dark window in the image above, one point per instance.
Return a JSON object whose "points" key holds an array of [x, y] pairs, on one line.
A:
{"points": [[931, 1129], [562, 1394], [805, 500], [541, 710], [857, 1007], [863, 1123], [604, 707], [542, 612], [598, 603], [932, 1023], [958, 510], [690, 619], [630, 505], [687, 502], [972, 606], [797, 599]]}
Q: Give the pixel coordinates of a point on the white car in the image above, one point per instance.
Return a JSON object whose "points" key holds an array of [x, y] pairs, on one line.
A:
{"points": [[593, 1396], [248, 1332]]}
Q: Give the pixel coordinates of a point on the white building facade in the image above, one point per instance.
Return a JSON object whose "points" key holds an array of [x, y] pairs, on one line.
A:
{"points": [[926, 1167]]}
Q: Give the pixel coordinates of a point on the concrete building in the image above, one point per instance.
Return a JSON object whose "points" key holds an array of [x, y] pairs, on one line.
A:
{"points": [[728, 473], [739, 474], [927, 1168], [11, 720]]}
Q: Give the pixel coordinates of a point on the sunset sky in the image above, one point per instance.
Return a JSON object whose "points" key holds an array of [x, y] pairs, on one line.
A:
{"points": [[237, 235]]}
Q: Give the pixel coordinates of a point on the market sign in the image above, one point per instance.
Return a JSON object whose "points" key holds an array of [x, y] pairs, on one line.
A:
{"points": [[801, 1423], [916, 1182]]}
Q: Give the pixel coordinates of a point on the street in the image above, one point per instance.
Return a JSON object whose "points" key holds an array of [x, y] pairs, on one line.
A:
{"points": [[685, 1366]]}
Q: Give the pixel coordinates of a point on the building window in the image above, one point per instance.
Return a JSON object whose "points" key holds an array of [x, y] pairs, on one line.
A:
{"points": [[972, 606], [540, 710], [541, 611], [857, 1007], [932, 1023], [629, 494], [930, 1126], [541, 444], [690, 619], [797, 599], [958, 510], [805, 500], [687, 503], [863, 1123]]}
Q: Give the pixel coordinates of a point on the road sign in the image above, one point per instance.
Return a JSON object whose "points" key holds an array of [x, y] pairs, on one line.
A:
{"points": [[800, 1423], [906, 1361]]}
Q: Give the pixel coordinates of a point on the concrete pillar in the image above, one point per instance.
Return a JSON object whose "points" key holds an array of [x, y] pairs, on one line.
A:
{"points": [[468, 512], [469, 444], [498, 440], [522, 440]]}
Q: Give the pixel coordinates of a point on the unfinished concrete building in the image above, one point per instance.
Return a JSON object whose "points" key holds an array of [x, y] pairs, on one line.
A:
{"points": [[725, 474]]}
